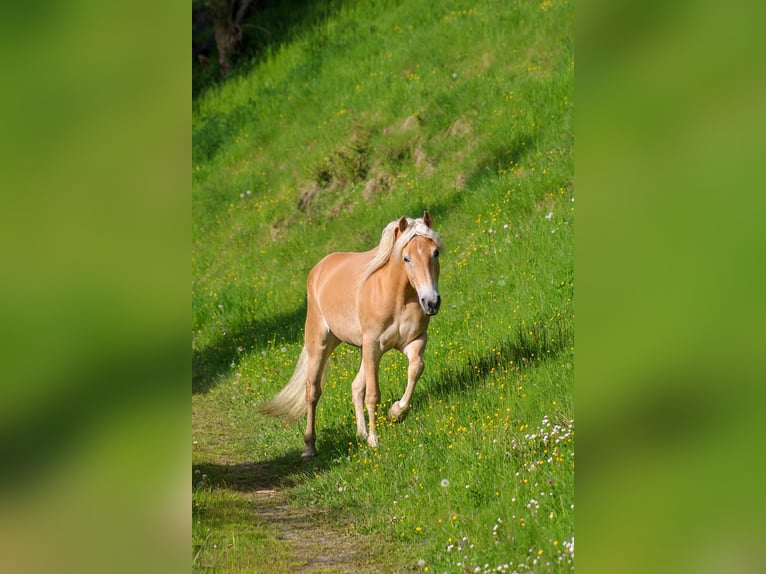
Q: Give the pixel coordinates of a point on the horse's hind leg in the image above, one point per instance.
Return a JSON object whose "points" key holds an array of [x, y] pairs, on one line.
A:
{"points": [[414, 352], [320, 343], [316, 368]]}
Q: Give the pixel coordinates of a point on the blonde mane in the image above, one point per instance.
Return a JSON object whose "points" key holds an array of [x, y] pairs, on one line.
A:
{"points": [[390, 245]]}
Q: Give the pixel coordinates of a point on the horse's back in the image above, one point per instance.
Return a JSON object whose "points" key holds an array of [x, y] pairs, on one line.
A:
{"points": [[333, 289]]}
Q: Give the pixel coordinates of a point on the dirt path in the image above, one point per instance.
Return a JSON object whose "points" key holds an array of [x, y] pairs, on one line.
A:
{"points": [[313, 541]]}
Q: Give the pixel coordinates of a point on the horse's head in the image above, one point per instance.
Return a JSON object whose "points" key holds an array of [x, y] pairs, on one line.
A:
{"points": [[420, 256]]}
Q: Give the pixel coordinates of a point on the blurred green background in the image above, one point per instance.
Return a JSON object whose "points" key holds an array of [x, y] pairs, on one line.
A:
{"points": [[94, 298], [669, 263]]}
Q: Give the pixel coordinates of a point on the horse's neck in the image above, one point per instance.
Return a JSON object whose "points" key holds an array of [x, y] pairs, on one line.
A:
{"points": [[394, 281]]}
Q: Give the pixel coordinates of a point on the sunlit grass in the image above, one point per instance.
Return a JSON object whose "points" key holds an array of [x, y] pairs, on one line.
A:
{"points": [[466, 111]]}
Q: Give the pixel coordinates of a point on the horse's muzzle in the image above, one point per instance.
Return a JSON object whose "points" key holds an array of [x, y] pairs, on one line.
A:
{"points": [[431, 305]]}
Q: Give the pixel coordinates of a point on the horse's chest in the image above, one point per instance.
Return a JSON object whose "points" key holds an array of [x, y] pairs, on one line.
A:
{"points": [[403, 330]]}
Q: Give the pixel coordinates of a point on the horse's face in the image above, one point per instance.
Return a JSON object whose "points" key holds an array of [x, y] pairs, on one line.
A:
{"points": [[421, 260]]}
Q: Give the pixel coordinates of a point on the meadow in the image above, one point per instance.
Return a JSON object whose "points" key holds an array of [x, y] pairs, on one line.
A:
{"points": [[363, 112]]}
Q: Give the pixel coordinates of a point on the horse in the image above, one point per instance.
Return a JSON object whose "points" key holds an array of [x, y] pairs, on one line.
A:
{"points": [[377, 300]]}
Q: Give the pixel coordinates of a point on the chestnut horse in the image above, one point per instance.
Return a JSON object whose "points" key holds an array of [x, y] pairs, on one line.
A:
{"points": [[378, 300]]}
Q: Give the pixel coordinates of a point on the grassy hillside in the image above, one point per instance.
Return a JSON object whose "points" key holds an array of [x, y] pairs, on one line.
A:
{"points": [[368, 111]]}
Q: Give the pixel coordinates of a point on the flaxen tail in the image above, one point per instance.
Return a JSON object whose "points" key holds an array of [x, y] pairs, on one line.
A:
{"points": [[290, 402]]}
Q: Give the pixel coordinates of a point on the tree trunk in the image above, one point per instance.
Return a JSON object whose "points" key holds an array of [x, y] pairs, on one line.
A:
{"points": [[227, 32]]}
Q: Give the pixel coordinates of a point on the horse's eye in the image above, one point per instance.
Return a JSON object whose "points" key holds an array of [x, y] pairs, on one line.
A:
{"points": [[406, 258], [436, 253]]}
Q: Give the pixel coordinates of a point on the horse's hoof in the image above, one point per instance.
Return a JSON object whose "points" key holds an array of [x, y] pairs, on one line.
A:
{"points": [[308, 453], [396, 414], [372, 440]]}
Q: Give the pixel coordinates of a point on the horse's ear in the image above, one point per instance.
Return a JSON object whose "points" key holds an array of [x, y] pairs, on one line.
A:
{"points": [[427, 219], [402, 226]]}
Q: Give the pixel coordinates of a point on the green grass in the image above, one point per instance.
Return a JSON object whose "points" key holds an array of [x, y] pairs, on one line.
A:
{"points": [[365, 114]]}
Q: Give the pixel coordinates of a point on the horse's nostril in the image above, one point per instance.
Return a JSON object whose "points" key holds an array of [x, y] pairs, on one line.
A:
{"points": [[430, 304]]}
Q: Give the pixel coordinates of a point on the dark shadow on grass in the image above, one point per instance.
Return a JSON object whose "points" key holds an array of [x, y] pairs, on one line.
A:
{"points": [[268, 25], [211, 363], [521, 351], [500, 159], [282, 471]]}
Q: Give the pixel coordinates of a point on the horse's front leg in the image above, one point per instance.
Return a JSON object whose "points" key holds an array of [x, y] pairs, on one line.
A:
{"points": [[370, 360], [414, 351], [357, 395]]}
